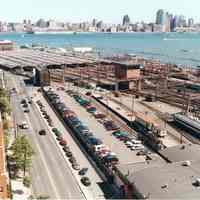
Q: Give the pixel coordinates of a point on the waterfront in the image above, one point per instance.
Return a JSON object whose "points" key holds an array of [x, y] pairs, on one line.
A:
{"points": [[179, 48]]}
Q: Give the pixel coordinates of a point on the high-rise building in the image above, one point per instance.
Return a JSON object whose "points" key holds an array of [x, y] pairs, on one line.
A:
{"points": [[181, 21], [94, 22], [160, 17], [41, 23], [174, 23], [100, 25], [163, 19], [190, 22], [126, 20]]}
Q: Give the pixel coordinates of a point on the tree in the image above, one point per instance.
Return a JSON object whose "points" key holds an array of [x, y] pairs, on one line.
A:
{"points": [[27, 181], [4, 102], [22, 153]]}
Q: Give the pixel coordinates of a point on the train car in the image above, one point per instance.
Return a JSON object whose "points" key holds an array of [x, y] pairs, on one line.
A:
{"points": [[187, 123]]}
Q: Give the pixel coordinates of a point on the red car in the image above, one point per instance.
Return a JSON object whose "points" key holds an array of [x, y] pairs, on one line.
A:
{"points": [[63, 142], [111, 126], [99, 116]]}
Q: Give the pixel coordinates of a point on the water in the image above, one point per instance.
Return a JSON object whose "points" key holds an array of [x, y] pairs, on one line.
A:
{"points": [[179, 48]]}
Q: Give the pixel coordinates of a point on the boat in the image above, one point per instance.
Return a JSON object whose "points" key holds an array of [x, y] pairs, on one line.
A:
{"points": [[184, 50]]}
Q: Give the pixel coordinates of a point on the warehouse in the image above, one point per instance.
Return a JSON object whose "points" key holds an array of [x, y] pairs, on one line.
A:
{"points": [[156, 179]]}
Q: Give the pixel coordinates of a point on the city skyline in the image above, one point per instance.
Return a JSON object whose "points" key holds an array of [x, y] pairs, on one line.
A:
{"points": [[76, 11]]}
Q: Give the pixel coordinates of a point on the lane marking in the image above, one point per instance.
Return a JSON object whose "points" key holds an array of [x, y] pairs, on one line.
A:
{"points": [[44, 162]]}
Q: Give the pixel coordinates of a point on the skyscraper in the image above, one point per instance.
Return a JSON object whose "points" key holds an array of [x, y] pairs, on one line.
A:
{"points": [[190, 22], [41, 23], [160, 17], [173, 23], [181, 21], [126, 20], [94, 22], [163, 20]]}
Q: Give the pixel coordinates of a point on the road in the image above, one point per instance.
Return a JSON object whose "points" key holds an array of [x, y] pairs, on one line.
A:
{"points": [[50, 173]]}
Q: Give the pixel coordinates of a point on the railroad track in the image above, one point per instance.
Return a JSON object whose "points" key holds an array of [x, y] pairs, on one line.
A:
{"points": [[115, 118]]}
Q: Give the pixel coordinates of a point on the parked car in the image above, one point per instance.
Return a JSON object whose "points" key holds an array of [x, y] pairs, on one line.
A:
{"points": [[82, 129], [99, 116], [83, 171], [44, 112], [59, 138], [138, 147], [57, 132], [129, 144], [46, 116], [69, 154], [136, 141], [94, 141], [72, 159], [66, 148], [50, 122], [110, 159], [143, 152], [76, 166], [110, 126], [88, 93], [42, 132], [85, 181], [63, 142], [91, 109]]}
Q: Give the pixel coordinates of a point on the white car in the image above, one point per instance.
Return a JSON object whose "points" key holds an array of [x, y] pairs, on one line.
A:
{"points": [[129, 144], [138, 147], [136, 141], [133, 148], [24, 125]]}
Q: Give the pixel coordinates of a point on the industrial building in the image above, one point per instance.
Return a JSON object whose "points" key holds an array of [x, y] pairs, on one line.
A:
{"points": [[178, 177], [112, 75], [50, 66], [6, 45]]}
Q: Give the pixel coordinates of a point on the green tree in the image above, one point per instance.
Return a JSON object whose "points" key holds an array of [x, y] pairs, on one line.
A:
{"points": [[22, 153], [27, 181], [4, 101]]}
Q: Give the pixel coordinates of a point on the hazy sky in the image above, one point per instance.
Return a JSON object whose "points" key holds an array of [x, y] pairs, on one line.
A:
{"points": [[106, 10]]}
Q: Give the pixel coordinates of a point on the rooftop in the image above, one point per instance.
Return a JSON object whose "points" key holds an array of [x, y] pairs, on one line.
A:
{"points": [[169, 181], [38, 59], [158, 179], [182, 153]]}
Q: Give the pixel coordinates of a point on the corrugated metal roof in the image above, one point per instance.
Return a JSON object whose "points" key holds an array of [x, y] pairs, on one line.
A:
{"points": [[35, 58]]}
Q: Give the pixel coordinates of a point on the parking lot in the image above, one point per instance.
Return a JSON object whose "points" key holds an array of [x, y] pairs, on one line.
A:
{"points": [[124, 154]]}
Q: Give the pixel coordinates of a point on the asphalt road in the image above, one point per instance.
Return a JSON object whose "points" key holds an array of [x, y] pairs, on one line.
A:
{"points": [[50, 173]]}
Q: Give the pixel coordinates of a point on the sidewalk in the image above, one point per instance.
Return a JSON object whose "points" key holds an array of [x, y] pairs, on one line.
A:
{"points": [[19, 191]]}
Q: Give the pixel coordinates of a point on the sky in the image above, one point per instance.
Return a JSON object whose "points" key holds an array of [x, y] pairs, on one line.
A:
{"points": [[110, 11]]}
